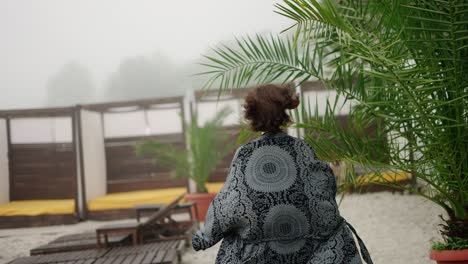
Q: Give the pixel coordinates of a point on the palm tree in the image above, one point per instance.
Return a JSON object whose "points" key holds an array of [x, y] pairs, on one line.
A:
{"points": [[403, 64]]}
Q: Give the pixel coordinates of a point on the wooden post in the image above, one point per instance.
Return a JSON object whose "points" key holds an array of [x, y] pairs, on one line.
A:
{"points": [[10, 173], [182, 120], [81, 162], [192, 184], [74, 147]]}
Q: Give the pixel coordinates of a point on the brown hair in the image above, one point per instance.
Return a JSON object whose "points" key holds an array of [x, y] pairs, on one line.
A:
{"points": [[265, 107]]}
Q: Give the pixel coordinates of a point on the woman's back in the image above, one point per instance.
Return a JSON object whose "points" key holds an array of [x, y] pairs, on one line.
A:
{"points": [[278, 206], [278, 203]]}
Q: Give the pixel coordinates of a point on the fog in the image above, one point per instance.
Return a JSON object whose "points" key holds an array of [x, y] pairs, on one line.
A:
{"points": [[62, 52]]}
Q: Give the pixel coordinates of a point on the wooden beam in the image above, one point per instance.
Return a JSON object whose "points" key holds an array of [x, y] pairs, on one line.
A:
{"points": [[142, 104], [312, 86], [38, 112], [230, 94], [166, 138], [212, 95]]}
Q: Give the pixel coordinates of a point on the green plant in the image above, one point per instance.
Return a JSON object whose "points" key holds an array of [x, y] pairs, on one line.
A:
{"points": [[207, 146], [451, 243], [403, 64]]}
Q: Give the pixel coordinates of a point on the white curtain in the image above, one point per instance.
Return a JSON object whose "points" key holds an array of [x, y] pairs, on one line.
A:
{"points": [[208, 110], [94, 156], [41, 130], [4, 173]]}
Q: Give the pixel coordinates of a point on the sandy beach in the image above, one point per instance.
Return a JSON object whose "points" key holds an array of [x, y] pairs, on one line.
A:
{"points": [[396, 229]]}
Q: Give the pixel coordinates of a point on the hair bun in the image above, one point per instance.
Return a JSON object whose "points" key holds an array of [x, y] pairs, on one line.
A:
{"points": [[291, 100], [265, 107]]}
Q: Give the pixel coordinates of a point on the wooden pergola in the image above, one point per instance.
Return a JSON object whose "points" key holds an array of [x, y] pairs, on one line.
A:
{"points": [[42, 170], [124, 170]]}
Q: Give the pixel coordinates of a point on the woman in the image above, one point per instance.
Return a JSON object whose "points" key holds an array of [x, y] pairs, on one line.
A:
{"points": [[278, 203]]}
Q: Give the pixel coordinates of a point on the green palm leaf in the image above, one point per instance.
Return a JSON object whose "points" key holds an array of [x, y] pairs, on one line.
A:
{"points": [[403, 63], [260, 60]]}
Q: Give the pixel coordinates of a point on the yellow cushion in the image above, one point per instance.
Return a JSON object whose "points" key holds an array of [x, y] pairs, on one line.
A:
{"points": [[126, 200], [214, 187], [385, 177], [37, 207], [131, 199]]}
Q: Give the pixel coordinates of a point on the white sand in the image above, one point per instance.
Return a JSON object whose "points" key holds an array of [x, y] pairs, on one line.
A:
{"points": [[396, 229]]}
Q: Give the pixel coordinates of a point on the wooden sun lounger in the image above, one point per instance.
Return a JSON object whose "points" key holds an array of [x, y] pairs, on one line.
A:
{"points": [[172, 231], [151, 208], [37, 220], [74, 242], [372, 185], [165, 252], [158, 225]]}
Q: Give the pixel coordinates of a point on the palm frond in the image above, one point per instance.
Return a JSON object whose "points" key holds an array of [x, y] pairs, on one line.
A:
{"points": [[404, 63], [260, 60]]}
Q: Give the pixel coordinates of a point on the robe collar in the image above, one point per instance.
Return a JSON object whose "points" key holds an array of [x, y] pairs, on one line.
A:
{"points": [[274, 134]]}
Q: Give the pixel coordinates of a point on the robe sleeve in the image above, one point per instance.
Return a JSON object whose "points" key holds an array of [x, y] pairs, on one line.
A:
{"points": [[324, 168], [221, 217]]}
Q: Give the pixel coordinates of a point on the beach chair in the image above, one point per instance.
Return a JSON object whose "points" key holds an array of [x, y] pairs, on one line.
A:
{"points": [[175, 230], [372, 182], [164, 252], [190, 207], [74, 242], [159, 226]]}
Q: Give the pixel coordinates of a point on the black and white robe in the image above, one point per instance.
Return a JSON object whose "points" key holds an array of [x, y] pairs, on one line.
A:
{"points": [[278, 206]]}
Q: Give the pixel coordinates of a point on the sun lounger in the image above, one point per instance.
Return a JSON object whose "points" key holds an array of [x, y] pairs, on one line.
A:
{"points": [[147, 208], [159, 226], [74, 242], [376, 183], [115, 206], [174, 230], [190, 207], [164, 252], [32, 213]]}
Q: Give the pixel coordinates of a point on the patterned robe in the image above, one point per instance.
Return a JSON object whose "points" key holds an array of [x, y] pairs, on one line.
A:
{"points": [[278, 206]]}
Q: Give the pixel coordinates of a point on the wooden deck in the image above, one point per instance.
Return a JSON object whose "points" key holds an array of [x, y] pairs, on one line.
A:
{"points": [[36, 221], [162, 253], [73, 242]]}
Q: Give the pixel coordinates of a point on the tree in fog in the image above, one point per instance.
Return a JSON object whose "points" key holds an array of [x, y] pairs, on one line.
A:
{"points": [[146, 77], [72, 84]]}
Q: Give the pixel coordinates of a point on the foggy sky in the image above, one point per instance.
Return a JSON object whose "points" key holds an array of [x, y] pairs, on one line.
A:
{"points": [[40, 37]]}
